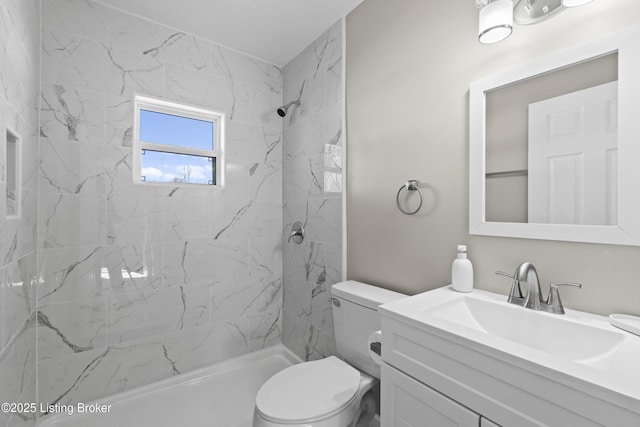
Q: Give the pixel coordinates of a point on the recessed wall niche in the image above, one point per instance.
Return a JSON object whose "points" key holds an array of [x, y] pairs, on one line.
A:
{"points": [[12, 170]]}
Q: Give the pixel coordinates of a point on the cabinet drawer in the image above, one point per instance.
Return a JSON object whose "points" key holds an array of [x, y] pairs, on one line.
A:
{"points": [[408, 403]]}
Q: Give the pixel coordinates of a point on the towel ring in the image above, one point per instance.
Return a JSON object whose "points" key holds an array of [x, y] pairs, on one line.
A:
{"points": [[411, 185]]}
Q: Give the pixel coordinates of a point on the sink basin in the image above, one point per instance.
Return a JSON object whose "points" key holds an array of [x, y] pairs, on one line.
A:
{"points": [[550, 333], [577, 344], [514, 365]]}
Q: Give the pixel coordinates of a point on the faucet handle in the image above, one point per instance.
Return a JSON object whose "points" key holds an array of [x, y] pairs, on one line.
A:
{"points": [[515, 291], [504, 273], [553, 300]]}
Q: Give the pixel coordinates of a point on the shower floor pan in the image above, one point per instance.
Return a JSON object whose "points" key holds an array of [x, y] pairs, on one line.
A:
{"points": [[219, 395]]}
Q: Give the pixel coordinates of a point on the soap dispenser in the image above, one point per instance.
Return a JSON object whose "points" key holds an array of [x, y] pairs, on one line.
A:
{"points": [[462, 271]]}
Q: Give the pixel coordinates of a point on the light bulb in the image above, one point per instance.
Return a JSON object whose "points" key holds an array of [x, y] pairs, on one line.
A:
{"points": [[496, 21]]}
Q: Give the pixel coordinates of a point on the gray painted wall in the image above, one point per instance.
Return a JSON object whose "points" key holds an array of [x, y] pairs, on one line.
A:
{"points": [[409, 65]]}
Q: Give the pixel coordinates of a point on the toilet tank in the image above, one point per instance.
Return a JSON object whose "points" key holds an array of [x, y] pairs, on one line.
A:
{"points": [[356, 318]]}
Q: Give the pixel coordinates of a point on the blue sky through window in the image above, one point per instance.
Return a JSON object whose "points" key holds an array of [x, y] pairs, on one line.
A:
{"points": [[158, 166], [164, 128], [167, 129]]}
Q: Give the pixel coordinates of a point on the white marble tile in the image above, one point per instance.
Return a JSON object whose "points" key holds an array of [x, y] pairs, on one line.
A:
{"points": [[135, 316], [245, 297], [16, 367], [5, 29], [23, 13], [314, 59], [265, 329], [89, 375], [264, 106], [296, 296], [71, 220], [130, 73], [87, 64], [303, 168], [20, 79], [131, 268], [333, 263], [171, 219], [29, 143], [4, 314], [84, 18], [321, 309], [334, 85], [18, 289], [119, 125], [157, 41], [127, 220], [208, 91], [74, 61], [265, 256], [27, 224], [204, 261], [3, 209], [236, 182], [265, 182], [3, 125], [325, 220], [10, 238], [72, 114], [67, 274], [233, 219], [71, 327], [238, 67], [205, 345], [72, 167], [250, 144], [30, 152], [308, 342]]}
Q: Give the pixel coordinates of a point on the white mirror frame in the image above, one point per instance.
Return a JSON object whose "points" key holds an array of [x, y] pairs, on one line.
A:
{"points": [[627, 231]]}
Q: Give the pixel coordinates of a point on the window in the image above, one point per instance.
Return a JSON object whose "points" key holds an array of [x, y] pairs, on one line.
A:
{"points": [[177, 144]]}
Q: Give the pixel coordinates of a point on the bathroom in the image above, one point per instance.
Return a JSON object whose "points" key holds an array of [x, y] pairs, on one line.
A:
{"points": [[108, 286]]}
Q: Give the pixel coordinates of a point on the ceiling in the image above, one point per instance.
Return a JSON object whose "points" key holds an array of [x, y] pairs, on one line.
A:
{"points": [[272, 30]]}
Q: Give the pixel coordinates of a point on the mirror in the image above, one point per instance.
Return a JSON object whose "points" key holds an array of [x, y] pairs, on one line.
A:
{"points": [[553, 143]]}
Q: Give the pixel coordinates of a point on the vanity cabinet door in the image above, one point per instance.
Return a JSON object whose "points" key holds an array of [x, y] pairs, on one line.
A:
{"points": [[406, 402]]}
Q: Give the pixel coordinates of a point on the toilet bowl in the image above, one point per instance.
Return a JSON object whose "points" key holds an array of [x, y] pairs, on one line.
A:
{"points": [[322, 393], [331, 392]]}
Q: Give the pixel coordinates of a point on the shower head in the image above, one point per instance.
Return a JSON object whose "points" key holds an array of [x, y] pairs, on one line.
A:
{"points": [[282, 111]]}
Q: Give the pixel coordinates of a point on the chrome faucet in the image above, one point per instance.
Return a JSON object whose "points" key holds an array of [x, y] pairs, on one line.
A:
{"points": [[526, 272]]}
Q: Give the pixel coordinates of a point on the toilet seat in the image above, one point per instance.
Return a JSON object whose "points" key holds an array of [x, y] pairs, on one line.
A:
{"points": [[308, 391]]}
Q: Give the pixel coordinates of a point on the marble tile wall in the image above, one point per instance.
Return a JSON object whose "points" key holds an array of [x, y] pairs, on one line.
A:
{"points": [[312, 193], [19, 88], [137, 282]]}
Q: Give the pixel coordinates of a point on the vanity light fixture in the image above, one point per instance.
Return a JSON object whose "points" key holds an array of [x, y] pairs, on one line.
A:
{"points": [[496, 21], [497, 16]]}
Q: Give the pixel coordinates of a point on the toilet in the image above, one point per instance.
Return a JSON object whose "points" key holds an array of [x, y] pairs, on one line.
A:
{"points": [[331, 392]]}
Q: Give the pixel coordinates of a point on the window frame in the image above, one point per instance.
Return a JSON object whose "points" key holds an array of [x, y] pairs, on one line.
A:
{"points": [[163, 106]]}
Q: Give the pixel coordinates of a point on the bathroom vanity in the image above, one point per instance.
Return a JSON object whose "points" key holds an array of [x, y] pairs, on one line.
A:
{"points": [[454, 359]]}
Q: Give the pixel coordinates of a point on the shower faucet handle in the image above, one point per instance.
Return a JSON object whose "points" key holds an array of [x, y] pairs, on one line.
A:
{"points": [[297, 233]]}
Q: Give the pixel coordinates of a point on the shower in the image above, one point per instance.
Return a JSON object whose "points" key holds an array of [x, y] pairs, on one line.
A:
{"points": [[282, 111]]}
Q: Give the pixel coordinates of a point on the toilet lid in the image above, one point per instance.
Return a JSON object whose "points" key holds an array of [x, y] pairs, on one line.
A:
{"points": [[309, 390]]}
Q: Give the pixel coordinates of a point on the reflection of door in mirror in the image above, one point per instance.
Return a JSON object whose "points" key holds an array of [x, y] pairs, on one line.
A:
{"points": [[573, 144], [508, 169]]}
